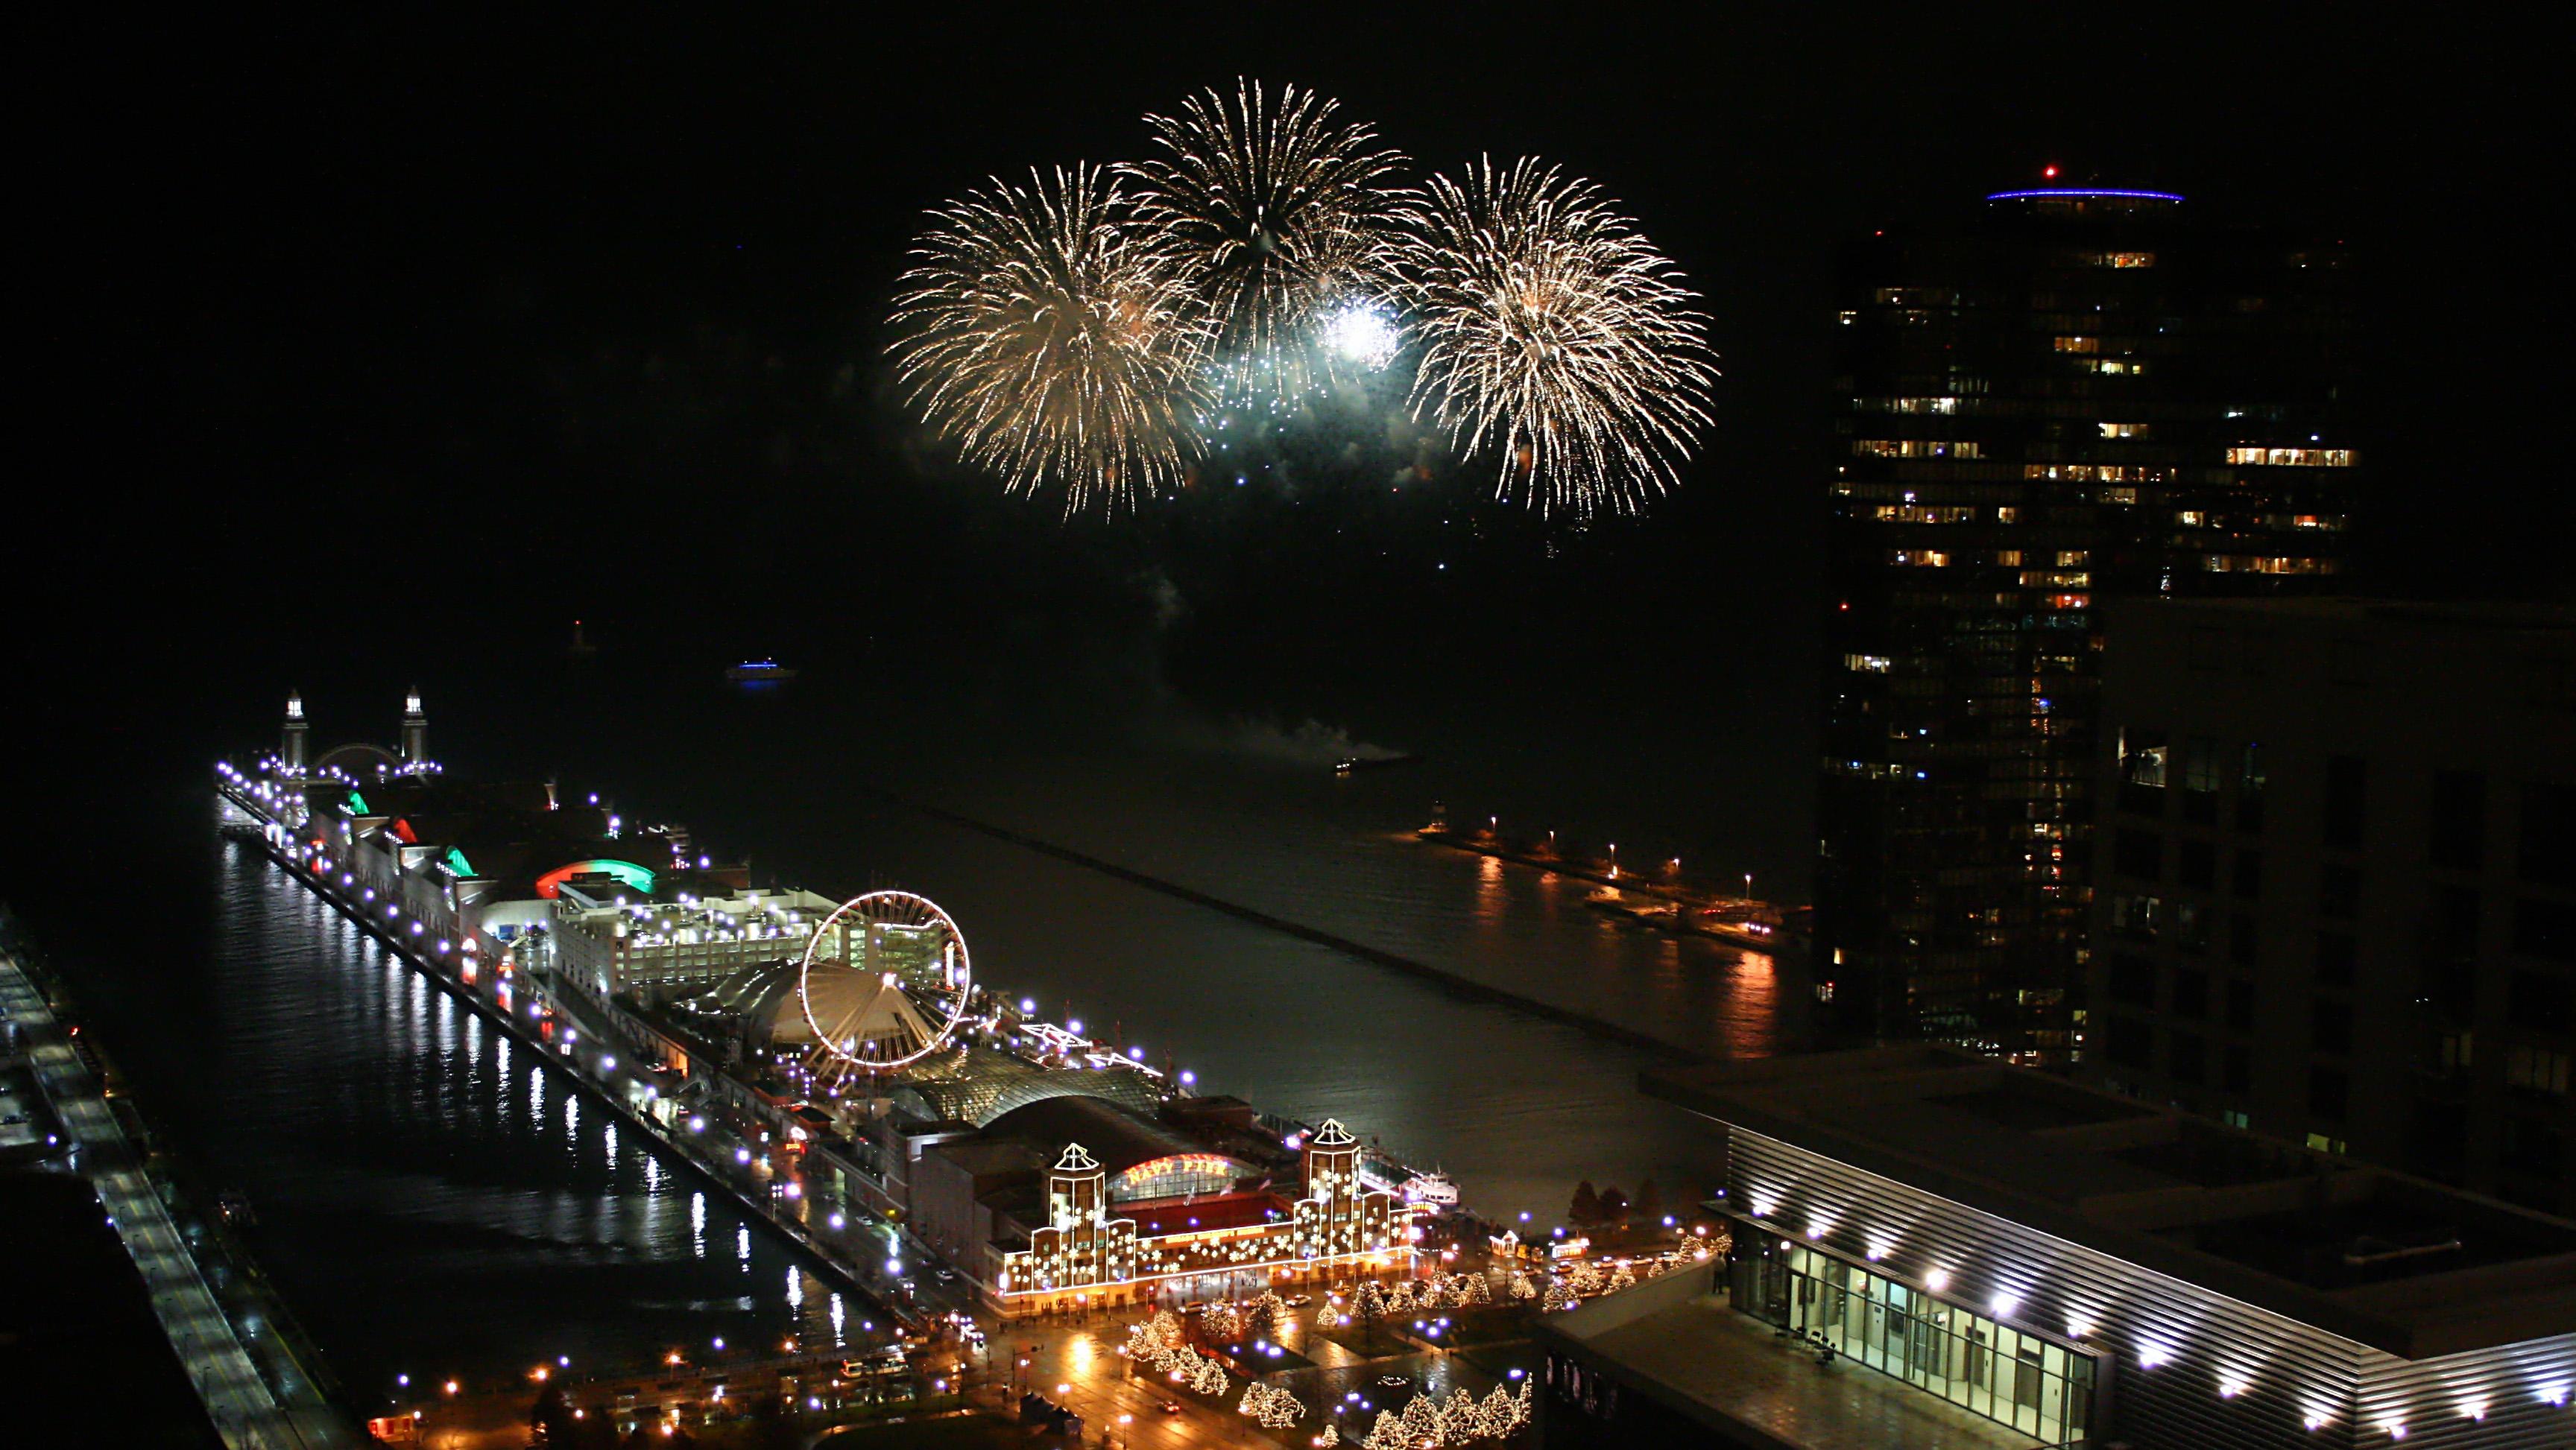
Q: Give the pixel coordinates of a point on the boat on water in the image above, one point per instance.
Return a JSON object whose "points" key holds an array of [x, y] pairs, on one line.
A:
{"points": [[1431, 1188], [759, 671]]}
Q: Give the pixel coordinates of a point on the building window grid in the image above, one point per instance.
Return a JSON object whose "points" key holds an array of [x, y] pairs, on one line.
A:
{"points": [[2009, 1375]]}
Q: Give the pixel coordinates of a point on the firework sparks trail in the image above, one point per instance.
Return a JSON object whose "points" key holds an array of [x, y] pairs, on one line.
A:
{"points": [[1057, 343], [1554, 336], [1282, 212]]}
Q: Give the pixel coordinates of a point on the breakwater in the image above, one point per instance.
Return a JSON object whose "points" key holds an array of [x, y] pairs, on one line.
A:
{"points": [[1455, 983]]}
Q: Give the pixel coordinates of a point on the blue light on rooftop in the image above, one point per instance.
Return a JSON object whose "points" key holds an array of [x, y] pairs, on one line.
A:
{"points": [[2070, 192]]}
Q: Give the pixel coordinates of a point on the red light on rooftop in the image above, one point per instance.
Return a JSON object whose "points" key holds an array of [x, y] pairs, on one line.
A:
{"points": [[2048, 173]]}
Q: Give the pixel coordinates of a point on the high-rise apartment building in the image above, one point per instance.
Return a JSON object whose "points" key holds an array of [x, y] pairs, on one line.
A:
{"points": [[2077, 396], [2335, 893]]}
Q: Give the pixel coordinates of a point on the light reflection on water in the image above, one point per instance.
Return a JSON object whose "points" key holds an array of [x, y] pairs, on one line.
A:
{"points": [[429, 1210], [426, 1215]]}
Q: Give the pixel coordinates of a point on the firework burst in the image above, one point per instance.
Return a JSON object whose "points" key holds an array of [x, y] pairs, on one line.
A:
{"points": [[1281, 212], [1553, 336], [1055, 341]]}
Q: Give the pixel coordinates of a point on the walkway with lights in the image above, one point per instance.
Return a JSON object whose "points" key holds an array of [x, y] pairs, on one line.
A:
{"points": [[241, 1404]]}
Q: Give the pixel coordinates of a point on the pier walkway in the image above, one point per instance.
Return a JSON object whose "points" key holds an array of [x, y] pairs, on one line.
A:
{"points": [[245, 1410]]}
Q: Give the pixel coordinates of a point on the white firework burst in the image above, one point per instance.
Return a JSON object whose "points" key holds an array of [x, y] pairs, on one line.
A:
{"points": [[1057, 342], [1280, 210], [1554, 337]]}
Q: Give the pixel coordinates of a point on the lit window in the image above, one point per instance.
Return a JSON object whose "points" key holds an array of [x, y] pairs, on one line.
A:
{"points": [[2292, 457], [2123, 430], [1872, 664], [2079, 344], [2263, 564], [1916, 448], [2096, 472], [1913, 513]]}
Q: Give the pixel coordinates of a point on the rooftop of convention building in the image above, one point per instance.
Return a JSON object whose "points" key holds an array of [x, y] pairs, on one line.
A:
{"points": [[2319, 1237]]}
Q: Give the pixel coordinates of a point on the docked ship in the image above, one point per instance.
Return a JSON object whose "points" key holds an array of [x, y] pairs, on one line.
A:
{"points": [[1432, 1188]]}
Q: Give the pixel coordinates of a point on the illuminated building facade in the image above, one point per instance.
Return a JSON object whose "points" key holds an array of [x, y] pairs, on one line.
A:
{"points": [[293, 748], [1976, 1243], [2079, 397], [1150, 1215], [2336, 883], [618, 928]]}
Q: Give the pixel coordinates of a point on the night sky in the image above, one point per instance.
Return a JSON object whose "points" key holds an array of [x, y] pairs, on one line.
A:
{"points": [[361, 318]]}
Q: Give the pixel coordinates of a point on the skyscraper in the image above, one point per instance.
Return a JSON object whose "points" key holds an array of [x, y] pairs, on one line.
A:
{"points": [[2076, 395], [2337, 885]]}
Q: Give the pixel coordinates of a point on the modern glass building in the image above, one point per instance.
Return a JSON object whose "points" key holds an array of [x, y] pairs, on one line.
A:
{"points": [[2037, 1383], [2072, 396], [1930, 1248]]}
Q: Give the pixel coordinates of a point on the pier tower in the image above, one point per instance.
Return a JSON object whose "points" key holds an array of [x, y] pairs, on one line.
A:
{"points": [[1333, 1166], [1340, 1215], [1080, 1246], [415, 730], [1077, 1189], [290, 743]]}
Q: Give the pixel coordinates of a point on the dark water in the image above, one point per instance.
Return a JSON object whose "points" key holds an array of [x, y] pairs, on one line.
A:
{"points": [[434, 1199], [435, 1203]]}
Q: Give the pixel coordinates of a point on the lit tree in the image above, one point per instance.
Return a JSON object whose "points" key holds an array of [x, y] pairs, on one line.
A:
{"points": [[1500, 1412], [1522, 1288], [1208, 1378], [1557, 1297], [1459, 1422], [1473, 1289], [1421, 1421], [1330, 1438], [1621, 1278], [1386, 1434], [1268, 1312], [1222, 1323], [1271, 1408]]}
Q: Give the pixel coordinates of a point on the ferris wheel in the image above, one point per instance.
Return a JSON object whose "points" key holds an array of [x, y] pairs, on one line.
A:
{"points": [[884, 983]]}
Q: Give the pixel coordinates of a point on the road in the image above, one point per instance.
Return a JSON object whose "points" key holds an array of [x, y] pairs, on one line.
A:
{"points": [[244, 1409]]}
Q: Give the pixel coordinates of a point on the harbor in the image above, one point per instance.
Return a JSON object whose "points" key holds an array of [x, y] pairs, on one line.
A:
{"points": [[1200, 1198], [1658, 896]]}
